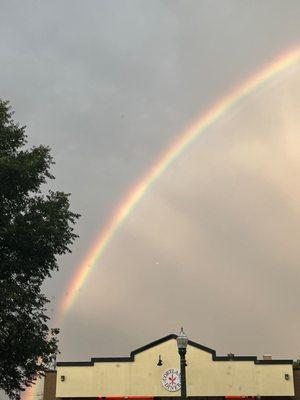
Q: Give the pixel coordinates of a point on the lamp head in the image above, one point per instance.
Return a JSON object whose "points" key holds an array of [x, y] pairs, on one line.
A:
{"points": [[182, 340]]}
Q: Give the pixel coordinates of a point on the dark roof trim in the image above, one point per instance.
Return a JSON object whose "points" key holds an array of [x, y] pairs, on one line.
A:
{"points": [[163, 340], [237, 358]]}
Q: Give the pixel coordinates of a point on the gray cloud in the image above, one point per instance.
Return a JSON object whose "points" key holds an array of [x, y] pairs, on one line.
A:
{"points": [[213, 245], [109, 86]]}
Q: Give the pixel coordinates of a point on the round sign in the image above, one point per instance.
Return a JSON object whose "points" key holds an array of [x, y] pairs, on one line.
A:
{"points": [[171, 380]]}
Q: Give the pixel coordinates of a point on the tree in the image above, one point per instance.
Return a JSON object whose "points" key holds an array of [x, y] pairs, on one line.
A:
{"points": [[35, 228], [296, 364]]}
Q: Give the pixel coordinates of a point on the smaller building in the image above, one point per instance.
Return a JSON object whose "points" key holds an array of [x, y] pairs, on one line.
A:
{"points": [[152, 371]]}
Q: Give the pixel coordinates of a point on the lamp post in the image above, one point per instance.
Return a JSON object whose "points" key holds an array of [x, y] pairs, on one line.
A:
{"points": [[182, 342]]}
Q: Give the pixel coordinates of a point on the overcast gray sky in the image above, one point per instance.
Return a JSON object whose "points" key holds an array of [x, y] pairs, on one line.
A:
{"points": [[109, 86]]}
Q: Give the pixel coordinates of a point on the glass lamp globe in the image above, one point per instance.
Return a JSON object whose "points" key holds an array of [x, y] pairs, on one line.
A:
{"points": [[182, 340]]}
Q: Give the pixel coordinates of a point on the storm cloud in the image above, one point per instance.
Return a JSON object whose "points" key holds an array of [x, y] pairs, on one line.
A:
{"points": [[110, 85]]}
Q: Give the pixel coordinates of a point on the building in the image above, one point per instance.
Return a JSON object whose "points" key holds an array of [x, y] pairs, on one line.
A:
{"points": [[152, 372]]}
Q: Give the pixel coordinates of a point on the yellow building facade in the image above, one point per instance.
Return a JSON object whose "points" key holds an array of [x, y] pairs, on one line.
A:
{"points": [[142, 375]]}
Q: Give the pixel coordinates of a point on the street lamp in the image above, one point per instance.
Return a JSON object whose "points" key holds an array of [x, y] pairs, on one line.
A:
{"points": [[182, 342]]}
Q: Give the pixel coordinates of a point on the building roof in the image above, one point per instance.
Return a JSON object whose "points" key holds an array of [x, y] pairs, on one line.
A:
{"points": [[229, 357]]}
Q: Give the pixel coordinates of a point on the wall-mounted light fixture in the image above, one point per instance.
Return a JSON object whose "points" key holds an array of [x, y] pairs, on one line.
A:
{"points": [[286, 377], [62, 378], [160, 362]]}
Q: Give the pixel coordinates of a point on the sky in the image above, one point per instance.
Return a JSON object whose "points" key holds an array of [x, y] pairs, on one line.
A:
{"points": [[213, 244]]}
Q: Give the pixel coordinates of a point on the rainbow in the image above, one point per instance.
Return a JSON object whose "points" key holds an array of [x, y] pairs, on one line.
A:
{"points": [[136, 194], [220, 108]]}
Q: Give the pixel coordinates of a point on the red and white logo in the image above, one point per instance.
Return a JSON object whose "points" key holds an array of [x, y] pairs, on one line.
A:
{"points": [[171, 380]]}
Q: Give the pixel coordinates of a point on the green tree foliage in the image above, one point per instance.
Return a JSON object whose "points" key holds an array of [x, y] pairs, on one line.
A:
{"points": [[296, 364], [35, 228]]}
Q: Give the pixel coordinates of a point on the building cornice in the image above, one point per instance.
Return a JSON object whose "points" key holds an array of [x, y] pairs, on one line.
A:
{"points": [[131, 358]]}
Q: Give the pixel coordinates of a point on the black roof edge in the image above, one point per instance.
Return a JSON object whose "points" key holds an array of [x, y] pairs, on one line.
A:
{"points": [[153, 344], [164, 339], [111, 359], [274, 362], [74, 363]]}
